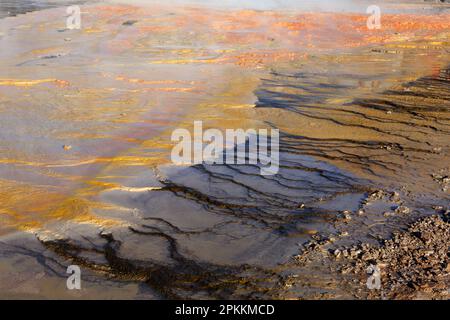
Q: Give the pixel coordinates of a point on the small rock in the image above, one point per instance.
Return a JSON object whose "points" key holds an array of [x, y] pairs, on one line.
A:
{"points": [[346, 215], [129, 22], [437, 150], [402, 210], [395, 197]]}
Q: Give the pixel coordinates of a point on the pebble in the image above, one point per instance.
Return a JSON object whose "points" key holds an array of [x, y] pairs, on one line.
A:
{"points": [[402, 210], [395, 197], [346, 215], [129, 22]]}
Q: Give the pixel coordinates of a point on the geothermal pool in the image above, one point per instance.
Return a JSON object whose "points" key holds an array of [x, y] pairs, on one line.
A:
{"points": [[86, 117]]}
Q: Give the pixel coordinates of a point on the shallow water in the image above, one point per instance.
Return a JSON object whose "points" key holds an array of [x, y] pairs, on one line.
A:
{"points": [[356, 111]]}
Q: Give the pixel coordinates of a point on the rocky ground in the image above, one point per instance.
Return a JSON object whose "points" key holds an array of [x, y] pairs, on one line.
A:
{"points": [[410, 264], [413, 264]]}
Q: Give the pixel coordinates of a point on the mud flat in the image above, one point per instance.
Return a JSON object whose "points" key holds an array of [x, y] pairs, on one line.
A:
{"points": [[86, 178]]}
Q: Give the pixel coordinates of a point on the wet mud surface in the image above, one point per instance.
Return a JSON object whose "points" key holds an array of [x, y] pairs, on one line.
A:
{"points": [[364, 153]]}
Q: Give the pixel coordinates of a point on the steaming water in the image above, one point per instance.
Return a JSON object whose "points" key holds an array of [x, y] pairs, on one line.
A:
{"points": [[358, 6]]}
